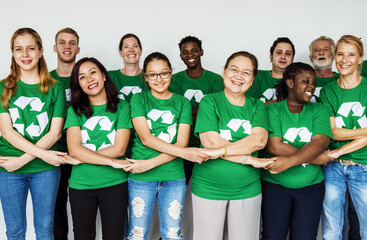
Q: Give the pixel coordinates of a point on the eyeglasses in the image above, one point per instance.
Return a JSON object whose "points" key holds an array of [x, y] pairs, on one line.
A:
{"points": [[153, 76], [244, 73]]}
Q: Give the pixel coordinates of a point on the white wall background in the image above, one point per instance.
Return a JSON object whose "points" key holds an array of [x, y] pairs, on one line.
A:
{"points": [[223, 26]]}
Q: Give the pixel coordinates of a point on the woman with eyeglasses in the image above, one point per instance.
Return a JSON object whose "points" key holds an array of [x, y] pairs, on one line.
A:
{"points": [[346, 100], [232, 128], [293, 186], [162, 122]]}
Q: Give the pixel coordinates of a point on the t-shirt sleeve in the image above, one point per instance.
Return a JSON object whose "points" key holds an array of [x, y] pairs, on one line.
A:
{"points": [[72, 120], [60, 102], [321, 123], [2, 85], [275, 126], [260, 115], [123, 120], [175, 85], [325, 101], [137, 106], [254, 90], [207, 119], [185, 115], [218, 83]]}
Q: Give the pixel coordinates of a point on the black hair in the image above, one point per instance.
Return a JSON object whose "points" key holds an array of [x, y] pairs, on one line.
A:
{"points": [[155, 56], [282, 40], [290, 73], [190, 39], [79, 99]]}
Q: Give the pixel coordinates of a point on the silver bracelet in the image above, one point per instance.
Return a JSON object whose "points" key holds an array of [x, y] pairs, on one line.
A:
{"points": [[244, 160]]}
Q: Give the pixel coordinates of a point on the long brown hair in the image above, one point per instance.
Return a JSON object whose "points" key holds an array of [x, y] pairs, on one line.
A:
{"points": [[11, 81]]}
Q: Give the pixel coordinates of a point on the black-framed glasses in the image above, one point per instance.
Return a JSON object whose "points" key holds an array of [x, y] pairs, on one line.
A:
{"points": [[154, 76]]}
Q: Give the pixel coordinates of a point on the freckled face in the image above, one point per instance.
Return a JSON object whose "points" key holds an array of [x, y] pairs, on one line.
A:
{"points": [[26, 52]]}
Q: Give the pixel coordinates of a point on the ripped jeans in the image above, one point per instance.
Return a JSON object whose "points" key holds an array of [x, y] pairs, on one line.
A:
{"points": [[170, 197]]}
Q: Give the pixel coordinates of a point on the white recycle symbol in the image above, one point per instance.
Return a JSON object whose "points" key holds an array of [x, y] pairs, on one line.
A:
{"points": [[269, 94], [235, 124], [357, 110], [190, 93], [302, 132], [316, 94], [167, 117], [105, 125], [36, 105], [68, 95], [127, 90]]}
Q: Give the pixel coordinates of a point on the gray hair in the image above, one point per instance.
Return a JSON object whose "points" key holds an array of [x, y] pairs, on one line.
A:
{"points": [[331, 41]]}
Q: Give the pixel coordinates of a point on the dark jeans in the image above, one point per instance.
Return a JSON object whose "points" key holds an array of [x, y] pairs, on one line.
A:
{"points": [[61, 227], [296, 209], [112, 204], [353, 233]]}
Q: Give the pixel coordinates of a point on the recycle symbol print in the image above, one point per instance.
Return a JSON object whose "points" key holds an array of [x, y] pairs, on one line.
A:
{"points": [[36, 104], [358, 111]]}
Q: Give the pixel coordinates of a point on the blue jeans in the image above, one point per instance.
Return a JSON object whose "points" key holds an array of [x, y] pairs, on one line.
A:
{"points": [[170, 197], [337, 177], [13, 194]]}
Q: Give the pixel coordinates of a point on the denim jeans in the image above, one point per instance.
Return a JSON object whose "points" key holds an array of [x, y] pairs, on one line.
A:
{"points": [[13, 194], [170, 197], [337, 177]]}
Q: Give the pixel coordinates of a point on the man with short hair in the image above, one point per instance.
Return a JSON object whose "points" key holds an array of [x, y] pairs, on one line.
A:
{"points": [[66, 47], [194, 83], [281, 56], [322, 52]]}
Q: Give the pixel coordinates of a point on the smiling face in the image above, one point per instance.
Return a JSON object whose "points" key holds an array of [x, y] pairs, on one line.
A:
{"points": [[282, 56], [66, 47], [26, 52], [322, 56], [238, 76], [158, 86], [191, 54], [347, 59], [130, 51], [91, 81], [302, 88]]}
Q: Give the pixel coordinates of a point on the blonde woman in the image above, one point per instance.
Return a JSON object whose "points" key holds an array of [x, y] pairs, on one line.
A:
{"points": [[32, 115]]}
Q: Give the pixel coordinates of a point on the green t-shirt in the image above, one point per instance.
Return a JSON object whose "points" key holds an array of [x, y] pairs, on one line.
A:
{"points": [[127, 85], [61, 144], [31, 112], [297, 129], [65, 81], [219, 179], [320, 82], [263, 87], [348, 106], [163, 117], [194, 90], [364, 68], [98, 132]]}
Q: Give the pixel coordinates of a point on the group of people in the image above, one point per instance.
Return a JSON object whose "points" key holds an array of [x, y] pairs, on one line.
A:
{"points": [[284, 145]]}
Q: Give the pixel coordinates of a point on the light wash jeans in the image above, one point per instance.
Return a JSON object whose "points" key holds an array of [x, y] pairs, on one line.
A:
{"points": [[13, 194], [170, 197], [337, 177]]}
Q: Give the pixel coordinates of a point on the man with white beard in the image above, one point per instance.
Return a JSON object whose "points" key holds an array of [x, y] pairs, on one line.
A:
{"points": [[322, 51]]}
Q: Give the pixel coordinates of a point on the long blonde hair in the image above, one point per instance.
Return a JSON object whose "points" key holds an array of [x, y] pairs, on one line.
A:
{"points": [[11, 81]]}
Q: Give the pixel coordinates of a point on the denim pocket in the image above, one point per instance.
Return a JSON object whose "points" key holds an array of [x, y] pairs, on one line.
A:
{"points": [[363, 166]]}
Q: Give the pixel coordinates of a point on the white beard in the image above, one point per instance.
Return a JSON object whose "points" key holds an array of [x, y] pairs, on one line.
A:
{"points": [[322, 65]]}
